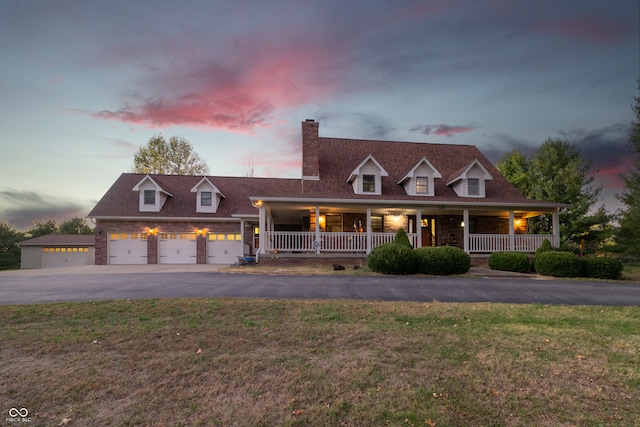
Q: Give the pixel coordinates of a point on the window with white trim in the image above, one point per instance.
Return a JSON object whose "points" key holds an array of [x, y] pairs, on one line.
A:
{"points": [[368, 183], [149, 197], [422, 185], [473, 186]]}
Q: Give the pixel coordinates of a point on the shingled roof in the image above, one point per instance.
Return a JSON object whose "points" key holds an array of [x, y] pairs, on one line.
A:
{"points": [[61, 240], [121, 201], [338, 157], [333, 160]]}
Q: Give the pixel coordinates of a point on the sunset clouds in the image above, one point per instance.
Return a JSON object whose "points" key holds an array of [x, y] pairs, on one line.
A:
{"points": [[86, 83]]}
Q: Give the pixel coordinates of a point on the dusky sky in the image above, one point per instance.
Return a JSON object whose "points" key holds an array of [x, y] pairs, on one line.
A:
{"points": [[85, 83]]}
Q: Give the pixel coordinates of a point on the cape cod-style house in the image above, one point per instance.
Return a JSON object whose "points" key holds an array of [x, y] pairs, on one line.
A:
{"points": [[353, 195]]}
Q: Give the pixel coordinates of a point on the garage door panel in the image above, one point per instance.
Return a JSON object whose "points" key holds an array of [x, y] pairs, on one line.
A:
{"points": [[65, 257], [128, 248], [224, 248], [177, 248]]}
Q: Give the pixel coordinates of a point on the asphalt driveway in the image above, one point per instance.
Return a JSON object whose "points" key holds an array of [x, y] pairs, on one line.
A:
{"points": [[132, 282]]}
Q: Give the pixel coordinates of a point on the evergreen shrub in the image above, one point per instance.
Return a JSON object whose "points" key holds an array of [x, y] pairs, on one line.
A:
{"points": [[402, 238], [510, 261], [558, 264], [392, 258], [442, 260], [602, 267]]}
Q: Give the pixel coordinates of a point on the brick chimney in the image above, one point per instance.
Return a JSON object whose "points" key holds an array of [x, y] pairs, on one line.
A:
{"points": [[310, 149]]}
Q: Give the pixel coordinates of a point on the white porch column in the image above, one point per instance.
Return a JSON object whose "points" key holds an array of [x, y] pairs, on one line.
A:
{"points": [[512, 232], [262, 226], [419, 228], [465, 229], [318, 228], [556, 227], [369, 237]]}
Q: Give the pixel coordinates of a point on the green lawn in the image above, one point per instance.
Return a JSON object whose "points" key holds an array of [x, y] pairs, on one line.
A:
{"points": [[250, 362]]}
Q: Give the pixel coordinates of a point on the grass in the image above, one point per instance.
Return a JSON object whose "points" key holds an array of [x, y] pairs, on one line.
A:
{"points": [[257, 362]]}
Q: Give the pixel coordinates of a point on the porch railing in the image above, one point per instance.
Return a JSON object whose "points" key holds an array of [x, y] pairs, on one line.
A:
{"points": [[348, 242], [303, 241], [488, 243]]}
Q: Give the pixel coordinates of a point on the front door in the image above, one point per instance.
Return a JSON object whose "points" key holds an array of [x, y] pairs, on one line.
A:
{"points": [[428, 229]]}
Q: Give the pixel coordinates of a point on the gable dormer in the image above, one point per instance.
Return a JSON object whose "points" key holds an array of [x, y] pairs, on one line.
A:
{"points": [[152, 196], [367, 177], [419, 181], [208, 196], [470, 181]]}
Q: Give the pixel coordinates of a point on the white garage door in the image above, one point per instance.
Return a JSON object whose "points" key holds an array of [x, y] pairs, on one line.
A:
{"points": [[177, 248], [128, 248], [65, 257], [224, 248]]}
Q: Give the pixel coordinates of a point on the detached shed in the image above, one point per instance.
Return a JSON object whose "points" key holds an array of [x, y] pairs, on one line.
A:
{"points": [[58, 250]]}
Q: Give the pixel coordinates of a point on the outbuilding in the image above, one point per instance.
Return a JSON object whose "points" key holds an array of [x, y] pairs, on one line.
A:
{"points": [[57, 250]]}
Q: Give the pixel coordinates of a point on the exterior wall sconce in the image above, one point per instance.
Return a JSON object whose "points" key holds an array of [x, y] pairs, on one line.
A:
{"points": [[462, 224], [257, 203], [201, 231], [152, 231], [518, 222]]}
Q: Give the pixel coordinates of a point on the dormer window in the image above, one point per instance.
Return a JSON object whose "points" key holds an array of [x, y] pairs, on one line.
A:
{"points": [[152, 195], [368, 183], [208, 196], [470, 181], [205, 198], [473, 186], [419, 181], [422, 185], [149, 197], [367, 177]]}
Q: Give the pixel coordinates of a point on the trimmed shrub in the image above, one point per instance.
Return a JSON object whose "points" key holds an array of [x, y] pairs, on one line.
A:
{"points": [[544, 247], [442, 260], [431, 260], [402, 238], [510, 261], [602, 267], [558, 264], [460, 259], [392, 258]]}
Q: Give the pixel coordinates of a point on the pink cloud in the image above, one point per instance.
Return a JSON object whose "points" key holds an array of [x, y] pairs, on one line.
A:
{"points": [[441, 130], [586, 28], [238, 92]]}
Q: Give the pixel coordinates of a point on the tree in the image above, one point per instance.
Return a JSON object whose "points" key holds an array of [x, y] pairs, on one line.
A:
{"points": [[557, 172], [75, 226], [9, 252], [175, 157], [628, 233], [42, 228]]}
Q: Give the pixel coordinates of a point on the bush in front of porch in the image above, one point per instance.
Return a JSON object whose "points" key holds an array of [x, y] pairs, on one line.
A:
{"points": [[395, 258], [392, 258], [510, 261], [442, 260]]}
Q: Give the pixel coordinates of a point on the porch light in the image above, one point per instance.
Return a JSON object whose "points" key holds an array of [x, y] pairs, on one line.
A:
{"points": [[518, 222], [257, 203], [201, 231], [462, 224], [152, 231]]}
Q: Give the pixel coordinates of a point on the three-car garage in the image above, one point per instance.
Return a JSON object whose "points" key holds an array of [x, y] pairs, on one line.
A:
{"points": [[174, 248]]}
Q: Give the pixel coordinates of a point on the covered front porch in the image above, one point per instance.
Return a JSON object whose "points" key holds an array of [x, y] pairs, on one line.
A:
{"points": [[341, 228]]}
